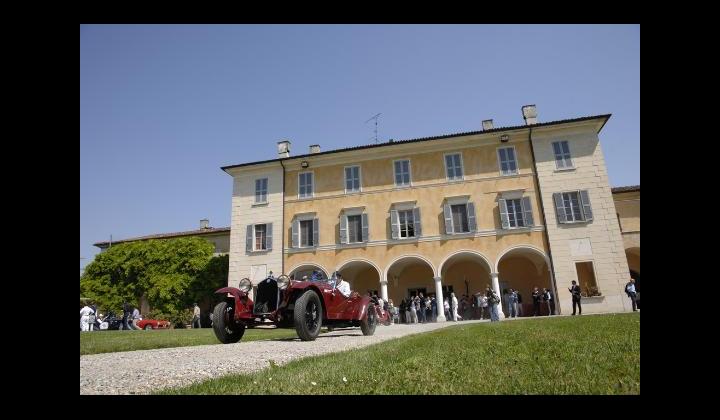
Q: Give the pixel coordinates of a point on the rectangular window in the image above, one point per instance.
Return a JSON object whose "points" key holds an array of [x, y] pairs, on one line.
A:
{"points": [[402, 173], [571, 203], [453, 167], [460, 218], [306, 233], [407, 223], [354, 225], [261, 186], [515, 213], [508, 163], [352, 179], [562, 154], [305, 182], [586, 278], [260, 237]]}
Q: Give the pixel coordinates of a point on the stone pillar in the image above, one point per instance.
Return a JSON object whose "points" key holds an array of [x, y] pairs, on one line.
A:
{"points": [[383, 290], [496, 288], [439, 300]]}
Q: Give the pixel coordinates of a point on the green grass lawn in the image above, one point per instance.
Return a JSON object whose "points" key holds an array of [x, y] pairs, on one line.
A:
{"points": [[112, 341], [598, 354]]}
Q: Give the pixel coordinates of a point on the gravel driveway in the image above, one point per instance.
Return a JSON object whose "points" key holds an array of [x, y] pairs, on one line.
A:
{"points": [[143, 371]]}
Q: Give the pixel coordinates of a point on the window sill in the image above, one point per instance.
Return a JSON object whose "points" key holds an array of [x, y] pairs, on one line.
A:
{"points": [[446, 236], [264, 204], [524, 229], [353, 245], [508, 175], [259, 251], [404, 240], [304, 249], [310, 197], [565, 169], [577, 222]]}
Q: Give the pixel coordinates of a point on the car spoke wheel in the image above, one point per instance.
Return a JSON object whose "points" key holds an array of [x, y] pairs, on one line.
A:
{"points": [[368, 324], [308, 316], [226, 329], [148, 327]]}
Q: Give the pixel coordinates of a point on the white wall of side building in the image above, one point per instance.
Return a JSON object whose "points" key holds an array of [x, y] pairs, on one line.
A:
{"points": [[254, 265], [568, 242]]}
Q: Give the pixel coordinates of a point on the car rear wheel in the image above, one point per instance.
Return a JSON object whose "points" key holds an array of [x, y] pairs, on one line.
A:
{"points": [[226, 329], [308, 316], [368, 324], [148, 327]]}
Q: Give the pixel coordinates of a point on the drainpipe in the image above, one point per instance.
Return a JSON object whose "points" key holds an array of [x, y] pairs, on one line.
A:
{"points": [[546, 236], [282, 227]]}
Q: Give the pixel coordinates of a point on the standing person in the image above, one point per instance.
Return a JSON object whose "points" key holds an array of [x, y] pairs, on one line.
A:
{"points": [[413, 311], [421, 308], [536, 296], [454, 307], [575, 292], [493, 300], [512, 303], [632, 293], [446, 307], [403, 319], [93, 317], [433, 306], [135, 318], [85, 313], [468, 312], [126, 315], [196, 316], [482, 303], [548, 298], [408, 319], [519, 303]]}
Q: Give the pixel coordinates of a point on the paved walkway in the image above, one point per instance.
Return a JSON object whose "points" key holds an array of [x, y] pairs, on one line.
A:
{"points": [[144, 371]]}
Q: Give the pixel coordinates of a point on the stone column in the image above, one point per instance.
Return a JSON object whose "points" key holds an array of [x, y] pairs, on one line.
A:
{"points": [[496, 288], [383, 290], [439, 300]]}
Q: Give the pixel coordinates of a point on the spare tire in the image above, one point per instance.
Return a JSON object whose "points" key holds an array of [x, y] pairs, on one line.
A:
{"points": [[226, 329]]}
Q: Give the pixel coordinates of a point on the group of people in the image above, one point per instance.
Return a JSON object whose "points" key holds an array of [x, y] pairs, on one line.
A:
{"points": [[420, 309], [90, 319]]}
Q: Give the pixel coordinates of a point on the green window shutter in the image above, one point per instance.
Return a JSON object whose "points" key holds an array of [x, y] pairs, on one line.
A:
{"points": [[504, 220], [585, 202], [249, 239], [395, 224], [448, 219], [365, 228], [472, 223], [296, 233], [316, 231], [268, 236], [527, 211], [343, 229], [417, 224], [559, 208]]}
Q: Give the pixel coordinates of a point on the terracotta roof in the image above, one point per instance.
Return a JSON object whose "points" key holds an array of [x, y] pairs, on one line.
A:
{"points": [[390, 143], [166, 236], [626, 189]]}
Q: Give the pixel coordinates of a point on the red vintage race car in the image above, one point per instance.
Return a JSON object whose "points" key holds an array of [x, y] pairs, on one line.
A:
{"points": [[152, 324], [304, 305]]}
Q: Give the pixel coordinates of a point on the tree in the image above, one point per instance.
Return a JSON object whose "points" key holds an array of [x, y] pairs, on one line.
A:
{"points": [[171, 273]]}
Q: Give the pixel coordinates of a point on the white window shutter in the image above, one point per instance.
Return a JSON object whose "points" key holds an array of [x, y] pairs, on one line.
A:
{"points": [[559, 208], [365, 228], [472, 223], [249, 239], [296, 233], [268, 236], [316, 231], [395, 224], [504, 220], [416, 221], [448, 219], [587, 209], [343, 229], [527, 211]]}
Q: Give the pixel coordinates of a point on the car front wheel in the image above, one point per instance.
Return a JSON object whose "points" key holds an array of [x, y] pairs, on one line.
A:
{"points": [[226, 329], [308, 316]]}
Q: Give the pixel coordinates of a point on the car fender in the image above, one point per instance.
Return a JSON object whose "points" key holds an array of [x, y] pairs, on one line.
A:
{"points": [[360, 308], [242, 302]]}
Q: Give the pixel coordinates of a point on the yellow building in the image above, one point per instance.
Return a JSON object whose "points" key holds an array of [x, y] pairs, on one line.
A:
{"points": [[511, 207], [627, 205]]}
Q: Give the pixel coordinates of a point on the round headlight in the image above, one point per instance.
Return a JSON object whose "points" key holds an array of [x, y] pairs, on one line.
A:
{"points": [[283, 281], [245, 285]]}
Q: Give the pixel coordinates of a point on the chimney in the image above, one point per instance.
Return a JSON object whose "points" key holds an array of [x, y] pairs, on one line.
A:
{"points": [[284, 148], [315, 148], [487, 125], [204, 224], [530, 114]]}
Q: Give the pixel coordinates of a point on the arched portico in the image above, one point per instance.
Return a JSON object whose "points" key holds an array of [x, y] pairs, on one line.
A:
{"points": [[409, 275], [465, 272], [523, 268], [306, 269], [363, 275]]}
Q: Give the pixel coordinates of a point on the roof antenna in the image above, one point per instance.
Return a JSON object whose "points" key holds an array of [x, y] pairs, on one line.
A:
{"points": [[374, 117]]}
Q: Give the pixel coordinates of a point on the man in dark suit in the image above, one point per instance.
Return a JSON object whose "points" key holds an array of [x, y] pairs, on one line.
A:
{"points": [[575, 291]]}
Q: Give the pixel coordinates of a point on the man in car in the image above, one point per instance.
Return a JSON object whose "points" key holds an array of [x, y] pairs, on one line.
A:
{"points": [[342, 286]]}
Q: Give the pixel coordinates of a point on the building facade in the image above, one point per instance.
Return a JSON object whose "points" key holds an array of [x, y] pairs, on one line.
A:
{"points": [[512, 207]]}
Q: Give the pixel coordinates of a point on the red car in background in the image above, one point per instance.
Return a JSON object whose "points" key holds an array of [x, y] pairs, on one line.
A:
{"points": [[152, 324]]}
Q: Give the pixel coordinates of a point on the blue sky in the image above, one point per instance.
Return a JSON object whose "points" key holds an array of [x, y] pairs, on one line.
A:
{"points": [[162, 107]]}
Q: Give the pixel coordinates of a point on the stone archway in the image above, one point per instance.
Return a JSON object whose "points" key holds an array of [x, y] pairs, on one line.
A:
{"points": [[523, 268], [465, 273], [409, 275], [363, 275]]}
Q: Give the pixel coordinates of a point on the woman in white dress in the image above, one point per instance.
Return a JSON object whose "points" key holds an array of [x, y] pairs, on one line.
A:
{"points": [[454, 306]]}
